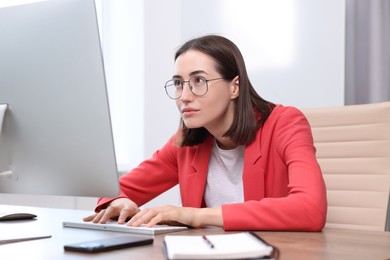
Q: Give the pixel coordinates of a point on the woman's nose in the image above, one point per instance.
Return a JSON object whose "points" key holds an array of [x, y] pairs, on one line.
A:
{"points": [[186, 92]]}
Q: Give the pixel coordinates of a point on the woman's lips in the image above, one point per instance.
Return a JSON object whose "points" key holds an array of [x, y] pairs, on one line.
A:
{"points": [[188, 111]]}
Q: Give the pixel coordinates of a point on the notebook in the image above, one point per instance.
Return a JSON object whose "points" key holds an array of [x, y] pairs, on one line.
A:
{"points": [[114, 226], [244, 245], [21, 236]]}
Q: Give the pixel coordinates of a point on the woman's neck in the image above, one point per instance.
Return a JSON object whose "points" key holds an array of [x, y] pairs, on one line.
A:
{"points": [[225, 143]]}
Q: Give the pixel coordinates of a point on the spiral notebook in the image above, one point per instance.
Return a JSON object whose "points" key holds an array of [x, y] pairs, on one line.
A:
{"points": [[243, 245]]}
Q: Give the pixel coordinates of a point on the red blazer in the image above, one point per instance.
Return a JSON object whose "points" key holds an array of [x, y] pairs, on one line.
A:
{"points": [[283, 184]]}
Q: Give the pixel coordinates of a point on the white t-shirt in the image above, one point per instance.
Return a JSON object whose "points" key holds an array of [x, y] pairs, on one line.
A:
{"points": [[224, 179]]}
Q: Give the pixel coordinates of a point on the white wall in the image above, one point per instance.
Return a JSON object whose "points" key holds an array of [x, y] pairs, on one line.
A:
{"points": [[294, 49], [162, 37]]}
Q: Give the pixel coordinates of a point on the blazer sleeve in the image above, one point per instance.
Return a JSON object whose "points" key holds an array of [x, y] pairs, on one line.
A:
{"points": [[149, 179], [291, 152]]}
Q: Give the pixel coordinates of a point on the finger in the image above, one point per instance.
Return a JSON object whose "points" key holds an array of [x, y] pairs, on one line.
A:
{"points": [[98, 216], [155, 220], [136, 220], [125, 213], [150, 217], [89, 218], [108, 213], [162, 215]]}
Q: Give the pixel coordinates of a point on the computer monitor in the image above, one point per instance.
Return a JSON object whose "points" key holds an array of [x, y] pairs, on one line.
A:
{"points": [[56, 137]]}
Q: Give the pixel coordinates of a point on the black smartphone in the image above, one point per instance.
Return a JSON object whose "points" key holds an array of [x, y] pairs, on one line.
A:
{"points": [[102, 245]]}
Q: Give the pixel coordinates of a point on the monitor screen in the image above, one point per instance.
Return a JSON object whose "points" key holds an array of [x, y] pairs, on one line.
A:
{"points": [[56, 136]]}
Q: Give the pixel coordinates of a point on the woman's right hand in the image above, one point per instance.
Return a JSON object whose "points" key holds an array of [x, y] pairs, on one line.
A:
{"points": [[122, 208]]}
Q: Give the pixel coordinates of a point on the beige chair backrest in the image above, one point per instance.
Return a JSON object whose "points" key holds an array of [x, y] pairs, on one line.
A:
{"points": [[353, 150]]}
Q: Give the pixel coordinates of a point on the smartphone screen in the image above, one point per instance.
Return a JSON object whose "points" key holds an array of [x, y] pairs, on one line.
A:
{"points": [[107, 244]]}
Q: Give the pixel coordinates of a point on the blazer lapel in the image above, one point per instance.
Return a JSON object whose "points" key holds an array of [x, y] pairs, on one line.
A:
{"points": [[198, 179], [253, 175]]}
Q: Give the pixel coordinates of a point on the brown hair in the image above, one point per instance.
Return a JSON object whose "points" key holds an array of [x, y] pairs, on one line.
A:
{"points": [[251, 111]]}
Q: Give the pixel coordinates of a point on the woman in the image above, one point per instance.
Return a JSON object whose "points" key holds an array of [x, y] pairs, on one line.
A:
{"points": [[241, 162]]}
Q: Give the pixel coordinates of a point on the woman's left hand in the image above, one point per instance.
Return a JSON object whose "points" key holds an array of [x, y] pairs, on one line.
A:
{"points": [[174, 215]]}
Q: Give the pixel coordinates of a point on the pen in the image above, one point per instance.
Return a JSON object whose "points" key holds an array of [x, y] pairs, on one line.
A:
{"points": [[209, 243]]}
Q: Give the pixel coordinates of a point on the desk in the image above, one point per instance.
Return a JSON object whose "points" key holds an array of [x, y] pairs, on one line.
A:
{"points": [[329, 244]]}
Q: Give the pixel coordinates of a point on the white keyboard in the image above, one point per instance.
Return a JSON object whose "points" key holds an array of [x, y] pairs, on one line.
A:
{"points": [[114, 226]]}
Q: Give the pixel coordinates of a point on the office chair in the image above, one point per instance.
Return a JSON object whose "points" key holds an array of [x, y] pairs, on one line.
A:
{"points": [[353, 150]]}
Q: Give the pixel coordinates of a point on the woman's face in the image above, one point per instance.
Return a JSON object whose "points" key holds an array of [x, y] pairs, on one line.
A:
{"points": [[214, 110]]}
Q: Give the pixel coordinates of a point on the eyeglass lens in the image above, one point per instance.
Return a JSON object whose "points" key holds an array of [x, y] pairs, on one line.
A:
{"points": [[197, 85]]}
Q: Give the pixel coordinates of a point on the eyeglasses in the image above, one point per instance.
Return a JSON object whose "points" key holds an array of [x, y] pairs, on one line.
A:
{"points": [[197, 84]]}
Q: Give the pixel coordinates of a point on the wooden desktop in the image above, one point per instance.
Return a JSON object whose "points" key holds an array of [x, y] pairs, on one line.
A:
{"points": [[329, 244]]}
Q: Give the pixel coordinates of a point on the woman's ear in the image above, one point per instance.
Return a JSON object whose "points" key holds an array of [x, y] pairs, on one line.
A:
{"points": [[235, 88]]}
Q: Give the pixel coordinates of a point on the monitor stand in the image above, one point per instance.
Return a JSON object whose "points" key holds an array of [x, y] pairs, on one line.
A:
{"points": [[6, 172], [3, 107], [4, 169]]}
